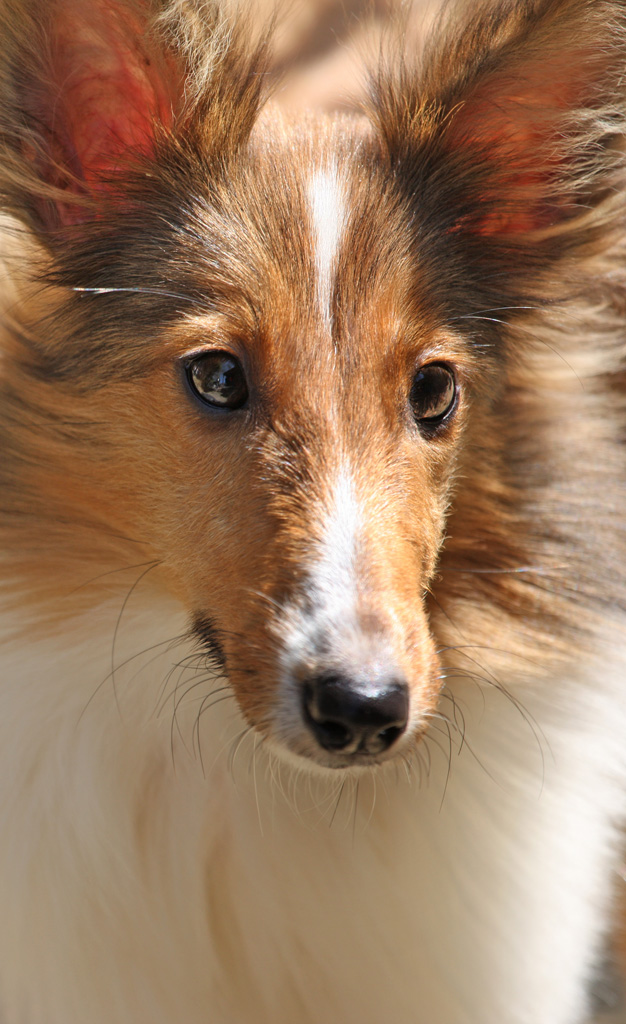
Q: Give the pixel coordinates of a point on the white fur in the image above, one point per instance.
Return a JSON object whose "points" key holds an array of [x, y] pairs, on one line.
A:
{"points": [[328, 211], [325, 632], [334, 577], [142, 884]]}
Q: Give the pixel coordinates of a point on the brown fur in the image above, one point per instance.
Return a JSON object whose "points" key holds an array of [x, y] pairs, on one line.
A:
{"points": [[487, 181], [468, 259]]}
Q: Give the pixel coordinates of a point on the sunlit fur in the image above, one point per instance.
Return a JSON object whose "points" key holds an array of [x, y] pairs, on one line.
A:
{"points": [[175, 843]]}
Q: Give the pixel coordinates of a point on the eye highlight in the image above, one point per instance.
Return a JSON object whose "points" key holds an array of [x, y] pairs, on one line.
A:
{"points": [[218, 380], [433, 395]]}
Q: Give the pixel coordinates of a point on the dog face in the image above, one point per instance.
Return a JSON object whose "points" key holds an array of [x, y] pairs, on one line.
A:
{"points": [[268, 338], [296, 425], [349, 410]]}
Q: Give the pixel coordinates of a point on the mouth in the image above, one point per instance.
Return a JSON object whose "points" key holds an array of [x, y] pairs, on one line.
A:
{"points": [[343, 762], [299, 747]]}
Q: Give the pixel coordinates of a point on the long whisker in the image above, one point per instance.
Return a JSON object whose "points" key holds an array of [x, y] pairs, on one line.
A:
{"points": [[537, 569], [542, 341], [111, 675], [136, 291], [130, 593]]}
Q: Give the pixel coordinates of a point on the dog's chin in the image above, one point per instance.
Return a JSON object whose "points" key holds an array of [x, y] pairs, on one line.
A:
{"points": [[301, 754]]}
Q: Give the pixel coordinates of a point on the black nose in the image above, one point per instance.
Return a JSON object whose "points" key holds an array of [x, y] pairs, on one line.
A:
{"points": [[350, 716]]}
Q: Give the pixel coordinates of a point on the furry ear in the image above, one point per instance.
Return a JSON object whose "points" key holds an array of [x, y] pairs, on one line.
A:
{"points": [[89, 86], [512, 126]]}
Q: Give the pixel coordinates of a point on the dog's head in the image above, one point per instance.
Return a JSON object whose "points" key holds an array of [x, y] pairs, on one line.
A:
{"points": [[271, 356]]}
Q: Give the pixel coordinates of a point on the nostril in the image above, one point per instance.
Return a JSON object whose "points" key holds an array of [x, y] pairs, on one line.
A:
{"points": [[355, 716], [321, 715], [387, 737]]}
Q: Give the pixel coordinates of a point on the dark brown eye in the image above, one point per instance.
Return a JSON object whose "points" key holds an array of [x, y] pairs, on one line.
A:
{"points": [[432, 395], [217, 378]]}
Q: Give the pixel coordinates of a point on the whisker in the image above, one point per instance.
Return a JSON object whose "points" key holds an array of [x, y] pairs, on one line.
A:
{"points": [[111, 675], [495, 683], [494, 309], [431, 738], [531, 334], [135, 291], [257, 741], [537, 569], [407, 766], [375, 780], [336, 808], [235, 747], [205, 706], [130, 593], [109, 572], [356, 804], [193, 662]]}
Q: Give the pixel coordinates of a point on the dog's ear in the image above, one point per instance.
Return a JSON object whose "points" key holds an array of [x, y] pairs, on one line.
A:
{"points": [[508, 137], [91, 87]]}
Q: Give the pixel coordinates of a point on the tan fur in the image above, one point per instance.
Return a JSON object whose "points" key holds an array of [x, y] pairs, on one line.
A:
{"points": [[160, 195]]}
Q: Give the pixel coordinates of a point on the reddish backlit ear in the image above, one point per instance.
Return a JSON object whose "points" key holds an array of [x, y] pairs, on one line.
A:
{"points": [[512, 118], [85, 83], [536, 131], [109, 89], [91, 87]]}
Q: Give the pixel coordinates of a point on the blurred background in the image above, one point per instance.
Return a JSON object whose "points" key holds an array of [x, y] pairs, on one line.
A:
{"points": [[323, 46]]}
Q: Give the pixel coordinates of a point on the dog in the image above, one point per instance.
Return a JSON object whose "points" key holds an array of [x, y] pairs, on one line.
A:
{"points": [[312, 484]]}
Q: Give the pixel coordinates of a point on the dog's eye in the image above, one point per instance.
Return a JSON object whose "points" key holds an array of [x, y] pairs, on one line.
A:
{"points": [[217, 378], [432, 395]]}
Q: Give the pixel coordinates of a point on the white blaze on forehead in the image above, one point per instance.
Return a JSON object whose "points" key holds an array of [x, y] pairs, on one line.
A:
{"points": [[328, 208]]}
